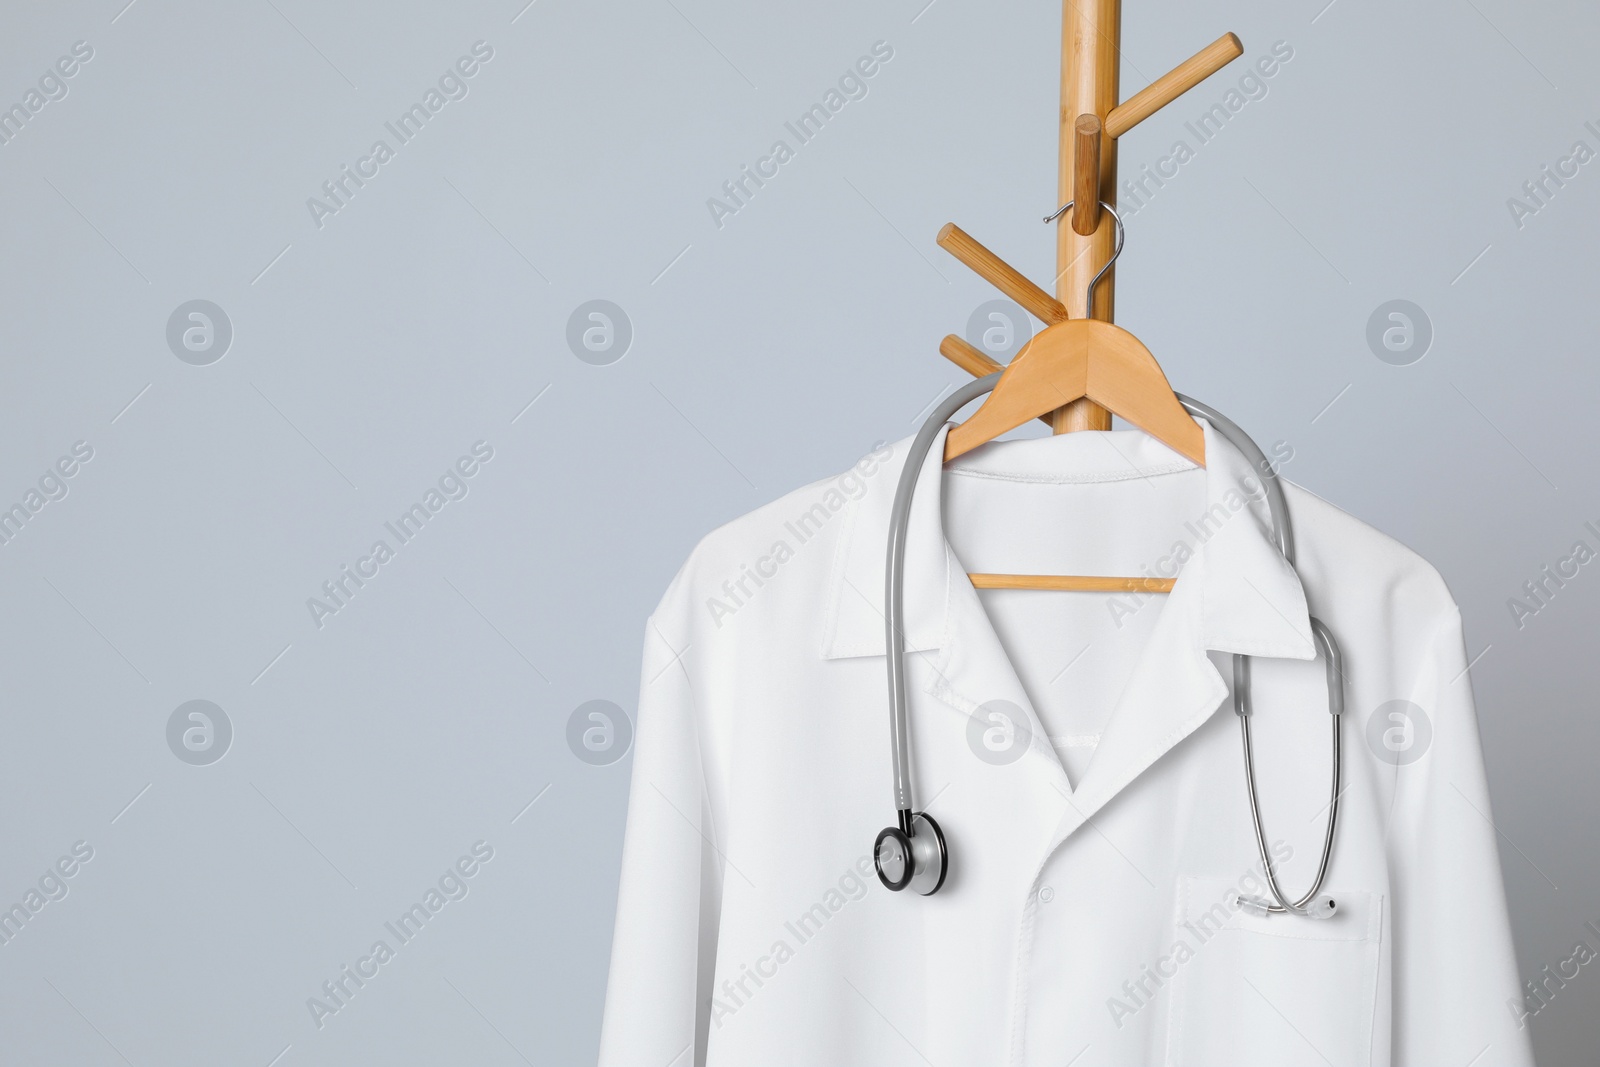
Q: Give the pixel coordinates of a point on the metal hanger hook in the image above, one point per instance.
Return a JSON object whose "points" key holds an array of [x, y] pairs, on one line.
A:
{"points": [[1122, 234]]}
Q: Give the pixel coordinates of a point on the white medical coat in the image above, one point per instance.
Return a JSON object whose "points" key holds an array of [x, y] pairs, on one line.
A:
{"points": [[1080, 752]]}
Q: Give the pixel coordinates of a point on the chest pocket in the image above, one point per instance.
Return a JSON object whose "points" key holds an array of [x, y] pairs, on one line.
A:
{"points": [[1282, 989]]}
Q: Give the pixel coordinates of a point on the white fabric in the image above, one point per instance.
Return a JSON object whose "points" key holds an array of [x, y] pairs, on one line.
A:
{"points": [[1089, 916]]}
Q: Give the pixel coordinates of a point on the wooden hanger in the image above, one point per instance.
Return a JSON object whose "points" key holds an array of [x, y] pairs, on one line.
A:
{"points": [[1076, 359], [1081, 369], [976, 363], [1071, 359]]}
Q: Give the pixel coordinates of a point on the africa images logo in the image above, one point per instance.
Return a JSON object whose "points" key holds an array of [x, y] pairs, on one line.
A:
{"points": [[599, 732]]}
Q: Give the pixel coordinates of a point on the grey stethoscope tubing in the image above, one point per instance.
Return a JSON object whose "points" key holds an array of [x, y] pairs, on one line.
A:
{"points": [[912, 853]]}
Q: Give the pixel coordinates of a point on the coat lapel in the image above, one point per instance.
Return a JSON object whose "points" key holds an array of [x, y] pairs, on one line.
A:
{"points": [[1237, 594]]}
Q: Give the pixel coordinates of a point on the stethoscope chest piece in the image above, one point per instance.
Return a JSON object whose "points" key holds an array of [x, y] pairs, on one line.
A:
{"points": [[917, 860]]}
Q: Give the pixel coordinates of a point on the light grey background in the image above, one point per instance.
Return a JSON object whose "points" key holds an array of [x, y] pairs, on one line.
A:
{"points": [[429, 312]]}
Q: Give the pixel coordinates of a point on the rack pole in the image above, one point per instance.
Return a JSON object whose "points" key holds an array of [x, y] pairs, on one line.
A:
{"points": [[1091, 31]]}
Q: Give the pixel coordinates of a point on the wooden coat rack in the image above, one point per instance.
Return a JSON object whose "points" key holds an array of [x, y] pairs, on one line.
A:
{"points": [[1091, 121]]}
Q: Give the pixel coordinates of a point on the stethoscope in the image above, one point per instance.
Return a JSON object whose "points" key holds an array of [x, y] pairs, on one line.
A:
{"points": [[913, 853]]}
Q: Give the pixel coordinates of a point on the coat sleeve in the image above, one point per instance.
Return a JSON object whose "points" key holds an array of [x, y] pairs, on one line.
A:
{"points": [[1456, 995], [664, 944]]}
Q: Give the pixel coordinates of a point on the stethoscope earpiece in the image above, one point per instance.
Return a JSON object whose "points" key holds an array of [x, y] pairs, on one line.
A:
{"points": [[917, 860]]}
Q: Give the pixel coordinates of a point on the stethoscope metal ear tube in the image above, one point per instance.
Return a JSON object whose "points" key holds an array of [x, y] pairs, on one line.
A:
{"points": [[913, 853]]}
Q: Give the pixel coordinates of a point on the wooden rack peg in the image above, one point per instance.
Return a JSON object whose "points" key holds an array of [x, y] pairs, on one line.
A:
{"points": [[1002, 275], [1173, 84], [1086, 175]]}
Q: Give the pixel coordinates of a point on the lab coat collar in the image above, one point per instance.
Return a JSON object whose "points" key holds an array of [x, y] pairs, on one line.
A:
{"points": [[1249, 599]]}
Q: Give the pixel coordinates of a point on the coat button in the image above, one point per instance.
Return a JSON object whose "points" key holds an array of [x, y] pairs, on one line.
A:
{"points": [[1046, 894]]}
